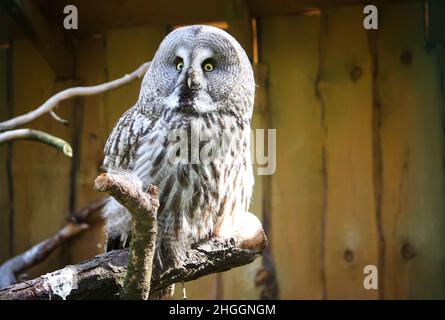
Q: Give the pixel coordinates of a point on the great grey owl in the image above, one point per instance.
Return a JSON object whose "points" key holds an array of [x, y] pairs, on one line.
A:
{"points": [[199, 85]]}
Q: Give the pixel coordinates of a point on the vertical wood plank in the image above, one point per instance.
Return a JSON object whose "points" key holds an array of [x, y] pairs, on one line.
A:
{"points": [[240, 24], [126, 49], [413, 202], [5, 232], [290, 51], [40, 173], [91, 134], [345, 84]]}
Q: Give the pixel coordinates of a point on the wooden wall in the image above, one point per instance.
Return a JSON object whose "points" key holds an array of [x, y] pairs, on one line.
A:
{"points": [[5, 215], [359, 178], [37, 193]]}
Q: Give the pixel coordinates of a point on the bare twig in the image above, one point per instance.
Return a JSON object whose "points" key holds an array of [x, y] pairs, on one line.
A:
{"points": [[13, 267], [30, 134], [58, 118], [143, 208], [73, 92], [103, 276], [84, 214]]}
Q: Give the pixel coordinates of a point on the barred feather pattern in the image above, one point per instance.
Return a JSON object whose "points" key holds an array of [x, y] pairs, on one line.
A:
{"points": [[197, 198]]}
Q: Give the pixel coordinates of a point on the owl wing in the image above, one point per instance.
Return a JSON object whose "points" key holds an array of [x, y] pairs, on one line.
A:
{"points": [[123, 142], [120, 151]]}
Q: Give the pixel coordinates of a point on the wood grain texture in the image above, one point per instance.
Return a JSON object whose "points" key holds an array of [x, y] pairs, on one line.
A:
{"points": [[412, 138], [40, 173], [90, 135], [5, 218], [290, 51], [345, 88], [126, 49]]}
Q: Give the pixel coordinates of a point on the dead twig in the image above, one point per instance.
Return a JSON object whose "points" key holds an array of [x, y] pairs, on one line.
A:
{"points": [[36, 135], [58, 118], [143, 207], [72, 92]]}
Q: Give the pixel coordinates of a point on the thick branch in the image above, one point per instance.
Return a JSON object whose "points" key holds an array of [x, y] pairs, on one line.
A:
{"points": [[72, 92], [40, 251], [143, 208], [103, 276], [30, 134]]}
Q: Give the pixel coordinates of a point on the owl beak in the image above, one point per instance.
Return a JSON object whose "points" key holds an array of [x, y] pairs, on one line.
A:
{"points": [[189, 82], [192, 81]]}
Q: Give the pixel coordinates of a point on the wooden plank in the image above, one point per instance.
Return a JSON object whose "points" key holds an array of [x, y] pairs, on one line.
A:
{"points": [[127, 48], [101, 15], [41, 174], [435, 11], [46, 38], [240, 24], [91, 134], [350, 240], [5, 219], [266, 8], [412, 138], [290, 51]]}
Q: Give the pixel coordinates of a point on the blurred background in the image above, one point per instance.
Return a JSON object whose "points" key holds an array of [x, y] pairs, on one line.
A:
{"points": [[360, 136]]}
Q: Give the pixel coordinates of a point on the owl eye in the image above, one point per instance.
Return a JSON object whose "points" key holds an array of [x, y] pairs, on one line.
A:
{"points": [[179, 65], [207, 66]]}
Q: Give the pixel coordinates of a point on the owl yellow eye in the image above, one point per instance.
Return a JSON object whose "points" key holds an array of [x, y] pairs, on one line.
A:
{"points": [[208, 67], [179, 65]]}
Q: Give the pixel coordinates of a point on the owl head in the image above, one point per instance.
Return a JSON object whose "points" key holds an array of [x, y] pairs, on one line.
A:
{"points": [[200, 70]]}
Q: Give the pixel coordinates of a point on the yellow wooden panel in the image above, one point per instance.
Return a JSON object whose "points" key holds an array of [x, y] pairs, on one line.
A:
{"points": [[240, 24], [412, 148], [290, 51], [41, 174], [92, 135], [126, 50], [346, 95]]}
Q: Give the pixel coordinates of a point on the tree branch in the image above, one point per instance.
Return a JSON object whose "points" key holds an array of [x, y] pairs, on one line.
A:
{"points": [[59, 118], [103, 276], [107, 276], [36, 135], [143, 208], [52, 102]]}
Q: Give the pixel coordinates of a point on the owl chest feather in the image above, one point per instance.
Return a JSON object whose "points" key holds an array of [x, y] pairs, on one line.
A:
{"points": [[195, 195]]}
